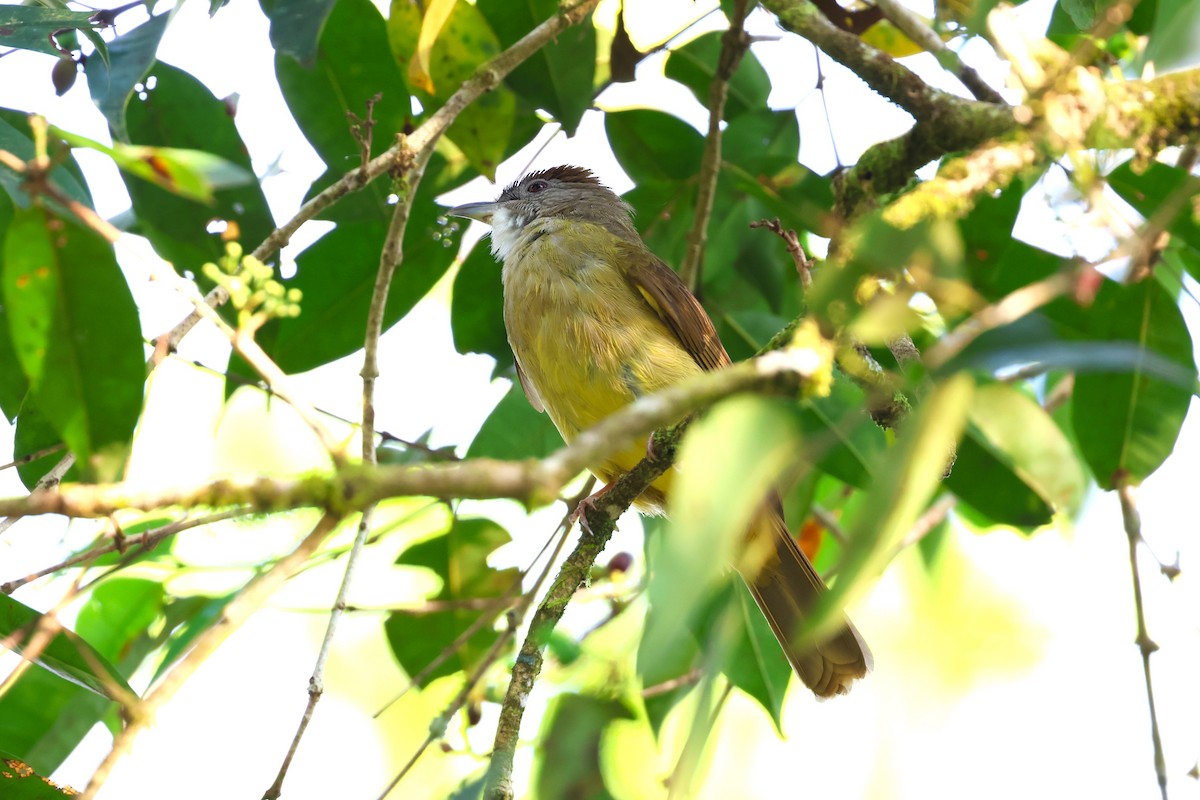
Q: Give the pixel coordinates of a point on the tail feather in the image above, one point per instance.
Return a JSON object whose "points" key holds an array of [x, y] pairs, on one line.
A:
{"points": [[787, 588]]}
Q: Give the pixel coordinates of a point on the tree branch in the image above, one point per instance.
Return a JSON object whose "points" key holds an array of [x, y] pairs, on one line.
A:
{"points": [[734, 43], [1146, 645], [601, 520], [355, 486]]}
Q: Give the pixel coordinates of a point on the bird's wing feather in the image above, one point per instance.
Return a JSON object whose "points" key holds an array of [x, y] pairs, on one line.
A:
{"points": [[675, 306], [531, 392]]}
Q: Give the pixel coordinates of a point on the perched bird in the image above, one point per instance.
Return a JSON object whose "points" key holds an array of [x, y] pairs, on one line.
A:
{"points": [[596, 320]]}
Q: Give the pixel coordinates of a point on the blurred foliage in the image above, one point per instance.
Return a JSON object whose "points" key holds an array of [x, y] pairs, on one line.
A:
{"points": [[72, 370]]}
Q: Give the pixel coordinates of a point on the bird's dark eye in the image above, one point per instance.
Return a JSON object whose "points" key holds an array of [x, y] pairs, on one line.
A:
{"points": [[536, 186]]}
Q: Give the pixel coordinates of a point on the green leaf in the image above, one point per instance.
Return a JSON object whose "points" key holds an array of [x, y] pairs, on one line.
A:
{"points": [[515, 430], [180, 112], [1174, 44], [1021, 432], [459, 558], [1127, 422], [695, 66], [840, 437], [1161, 189], [570, 746], [984, 481], [66, 655], [76, 333], [465, 41], [35, 434], [296, 26], [905, 480], [654, 146], [193, 174], [353, 64], [34, 27], [130, 57], [337, 278], [477, 308], [762, 141], [50, 717], [729, 461], [21, 782], [13, 385], [15, 137], [559, 77], [755, 663]]}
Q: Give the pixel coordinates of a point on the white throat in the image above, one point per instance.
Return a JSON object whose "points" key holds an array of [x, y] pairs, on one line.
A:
{"points": [[506, 232]]}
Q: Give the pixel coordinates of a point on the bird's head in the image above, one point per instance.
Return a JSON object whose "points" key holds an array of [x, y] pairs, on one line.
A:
{"points": [[558, 193]]}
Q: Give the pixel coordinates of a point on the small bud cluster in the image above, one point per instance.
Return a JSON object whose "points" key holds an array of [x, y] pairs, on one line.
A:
{"points": [[253, 288]]}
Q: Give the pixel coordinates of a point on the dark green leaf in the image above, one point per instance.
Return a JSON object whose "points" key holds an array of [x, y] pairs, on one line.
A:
{"points": [[762, 141], [1127, 422], [557, 78], [337, 278], [570, 752], [654, 146], [477, 308], [130, 57], [35, 434], [695, 66], [839, 436], [982, 479], [32, 27], [180, 112], [76, 333], [296, 25], [13, 385], [353, 64], [66, 655], [515, 430], [459, 558]]}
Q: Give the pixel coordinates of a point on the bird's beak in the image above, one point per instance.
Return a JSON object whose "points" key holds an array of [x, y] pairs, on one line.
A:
{"points": [[480, 211]]}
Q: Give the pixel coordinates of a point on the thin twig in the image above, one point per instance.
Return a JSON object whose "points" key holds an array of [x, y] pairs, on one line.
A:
{"points": [[45, 483], [1007, 309], [1146, 645], [143, 543], [437, 728], [234, 614], [734, 44], [503, 602], [601, 520], [804, 264]]}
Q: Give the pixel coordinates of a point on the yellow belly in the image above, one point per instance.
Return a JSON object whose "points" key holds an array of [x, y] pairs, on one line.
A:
{"points": [[586, 340]]}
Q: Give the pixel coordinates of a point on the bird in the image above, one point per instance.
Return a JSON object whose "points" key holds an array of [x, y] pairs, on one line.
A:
{"points": [[596, 320]]}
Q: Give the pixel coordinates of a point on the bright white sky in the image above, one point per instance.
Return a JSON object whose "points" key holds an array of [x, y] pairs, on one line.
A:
{"points": [[1073, 725]]}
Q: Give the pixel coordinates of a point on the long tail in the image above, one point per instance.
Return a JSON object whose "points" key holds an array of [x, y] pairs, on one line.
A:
{"points": [[787, 588]]}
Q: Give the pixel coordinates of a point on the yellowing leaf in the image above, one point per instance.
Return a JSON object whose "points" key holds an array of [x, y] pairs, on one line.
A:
{"points": [[431, 26]]}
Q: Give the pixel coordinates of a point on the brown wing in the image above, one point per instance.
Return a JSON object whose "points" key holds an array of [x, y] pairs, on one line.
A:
{"points": [[675, 305]]}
